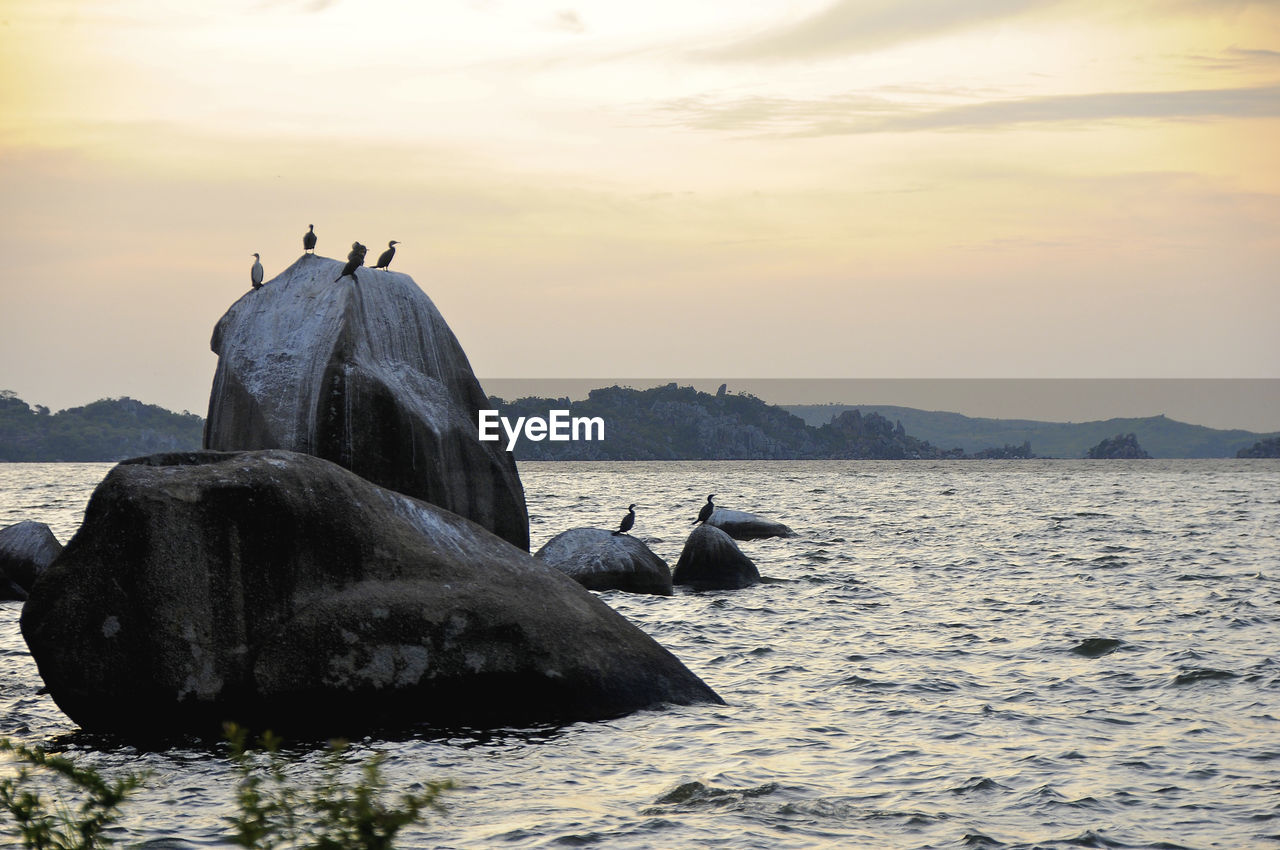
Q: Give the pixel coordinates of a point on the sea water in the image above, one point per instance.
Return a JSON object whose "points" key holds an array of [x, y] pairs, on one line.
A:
{"points": [[949, 654]]}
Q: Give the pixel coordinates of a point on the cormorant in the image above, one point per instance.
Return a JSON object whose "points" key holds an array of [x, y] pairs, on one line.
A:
{"points": [[707, 509], [384, 260], [255, 273], [354, 261], [627, 521], [309, 239]]}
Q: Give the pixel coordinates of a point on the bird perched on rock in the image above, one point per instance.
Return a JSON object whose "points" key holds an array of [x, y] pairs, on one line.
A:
{"points": [[707, 510], [354, 261], [255, 273], [309, 239], [384, 259], [627, 521]]}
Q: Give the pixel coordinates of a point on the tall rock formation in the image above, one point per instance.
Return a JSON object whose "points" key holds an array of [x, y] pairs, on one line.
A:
{"points": [[366, 373]]}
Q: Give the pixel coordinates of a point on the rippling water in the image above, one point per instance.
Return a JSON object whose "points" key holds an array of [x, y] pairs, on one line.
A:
{"points": [[951, 654]]}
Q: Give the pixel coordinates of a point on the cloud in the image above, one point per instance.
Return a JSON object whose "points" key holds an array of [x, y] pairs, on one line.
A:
{"points": [[304, 5], [567, 20], [851, 26], [852, 114], [1236, 58]]}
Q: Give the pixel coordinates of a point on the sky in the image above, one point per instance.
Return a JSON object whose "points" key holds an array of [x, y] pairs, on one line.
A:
{"points": [[856, 189]]}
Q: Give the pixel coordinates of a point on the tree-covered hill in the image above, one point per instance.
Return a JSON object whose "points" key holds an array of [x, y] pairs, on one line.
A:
{"points": [[680, 423], [110, 429]]}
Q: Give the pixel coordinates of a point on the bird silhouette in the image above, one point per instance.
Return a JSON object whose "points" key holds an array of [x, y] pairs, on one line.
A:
{"points": [[707, 509], [309, 239], [354, 261], [255, 273], [627, 521], [384, 259]]}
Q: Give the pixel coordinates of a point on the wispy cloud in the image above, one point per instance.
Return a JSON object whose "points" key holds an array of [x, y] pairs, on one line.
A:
{"points": [[851, 26], [851, 114], [567, 20], [304, 5]]}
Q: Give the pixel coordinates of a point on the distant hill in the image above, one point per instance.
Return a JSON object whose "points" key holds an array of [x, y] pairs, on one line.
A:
{"points": [[680, 423], [1160, 436], [107, 430]]}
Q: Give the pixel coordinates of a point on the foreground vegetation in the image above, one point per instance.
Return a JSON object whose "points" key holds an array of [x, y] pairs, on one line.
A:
{"points": [[51, 803]]}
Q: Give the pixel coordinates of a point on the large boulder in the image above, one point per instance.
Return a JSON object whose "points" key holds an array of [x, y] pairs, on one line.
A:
{"points": [[712, 561], [284, 592], [601, 560], [364, 373], [26, 550], [741, 525]]}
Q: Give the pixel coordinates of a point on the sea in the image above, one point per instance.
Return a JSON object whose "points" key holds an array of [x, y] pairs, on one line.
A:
{"points": [[953, 654]]}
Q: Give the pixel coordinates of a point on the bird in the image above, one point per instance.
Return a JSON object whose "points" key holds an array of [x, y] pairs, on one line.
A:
{"points": [[255, 273], [354, 261], [384, 260], [627, 521], [707, 509], [309, 239]]}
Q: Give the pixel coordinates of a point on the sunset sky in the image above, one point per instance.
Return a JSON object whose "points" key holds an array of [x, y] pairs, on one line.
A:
{"points": [[590, 188]]}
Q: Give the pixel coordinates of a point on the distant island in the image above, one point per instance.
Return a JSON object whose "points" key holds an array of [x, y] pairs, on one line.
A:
{"points": [[668, 423], [1119, 447], [110, 429], [1269, 447], [1160, 436]]}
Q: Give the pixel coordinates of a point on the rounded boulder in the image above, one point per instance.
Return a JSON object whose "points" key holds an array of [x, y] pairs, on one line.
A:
{"points": [[26, 550], [601, 560], [284, 592], [741, 525], [712, 561]]}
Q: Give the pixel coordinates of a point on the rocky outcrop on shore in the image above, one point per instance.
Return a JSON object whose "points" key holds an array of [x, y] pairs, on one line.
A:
{"points": [[282, 591], [364, 372], [601, 560]]}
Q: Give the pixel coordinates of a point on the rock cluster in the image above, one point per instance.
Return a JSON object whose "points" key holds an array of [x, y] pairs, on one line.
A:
{"points": [[353, 557]]}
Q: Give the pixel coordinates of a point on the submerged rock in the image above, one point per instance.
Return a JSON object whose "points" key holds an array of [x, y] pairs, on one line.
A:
{"points": [[712, 561], [26, 550], [741, 525], [601, 560], [363, 372], [284, 592]]}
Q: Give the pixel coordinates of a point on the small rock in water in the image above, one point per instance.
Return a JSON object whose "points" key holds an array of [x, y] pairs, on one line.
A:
{"points": [[26, 550], [712, 561], [1095, 647], [741, 525], [601, 560]]}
